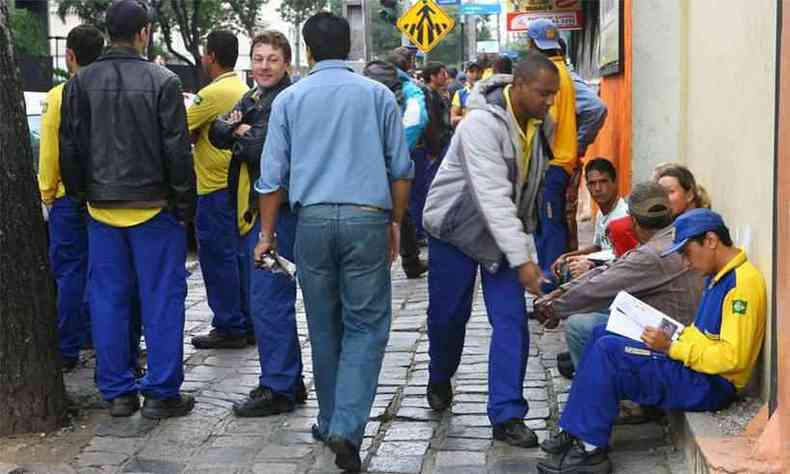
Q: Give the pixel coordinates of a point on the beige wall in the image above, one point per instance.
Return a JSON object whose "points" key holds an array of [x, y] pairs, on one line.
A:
{"points": [[718, 117]]}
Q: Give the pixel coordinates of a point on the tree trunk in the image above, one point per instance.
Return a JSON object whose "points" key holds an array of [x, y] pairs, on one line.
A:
{"points": [[32, 397]]}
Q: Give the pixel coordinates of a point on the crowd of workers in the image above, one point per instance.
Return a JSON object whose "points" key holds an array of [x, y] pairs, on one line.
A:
{"points": [[340, 173]]}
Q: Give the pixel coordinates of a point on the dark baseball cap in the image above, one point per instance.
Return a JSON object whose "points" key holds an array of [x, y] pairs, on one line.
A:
{"points": [[691, 224], [124, 18], [649, 201]]}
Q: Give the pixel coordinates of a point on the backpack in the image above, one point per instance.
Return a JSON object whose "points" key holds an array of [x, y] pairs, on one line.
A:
{"points": [[386, 74]]}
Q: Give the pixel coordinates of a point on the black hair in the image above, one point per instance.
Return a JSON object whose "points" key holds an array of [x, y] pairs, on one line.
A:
{"points": [[723, 233], [125, 18], [225, 47], [87, 42], [503, 65], [328, 36], [601, 165], [431, 69], [452, 72], [533, 63]]}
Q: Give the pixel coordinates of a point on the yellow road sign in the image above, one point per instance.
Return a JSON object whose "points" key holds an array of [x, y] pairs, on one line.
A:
{"points": [[425, 24]]}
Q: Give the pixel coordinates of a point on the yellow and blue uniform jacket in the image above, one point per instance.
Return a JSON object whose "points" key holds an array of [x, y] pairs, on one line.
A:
{"points": [[49, 183], [729, 327], [565, 145], [217, 98]]}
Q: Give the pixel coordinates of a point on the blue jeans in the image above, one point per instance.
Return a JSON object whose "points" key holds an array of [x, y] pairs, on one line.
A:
{"points": [[611, 370], [578, 331], [551, 239], [215, 228], [138, 268], [272, 306], [68, 257], [342, 256], [451, 285]]}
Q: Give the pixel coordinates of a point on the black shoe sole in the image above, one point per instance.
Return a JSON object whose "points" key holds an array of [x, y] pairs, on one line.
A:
{"points": [[346, 457], [162, 413], [262, 412], [600, 468], [236, 344]]}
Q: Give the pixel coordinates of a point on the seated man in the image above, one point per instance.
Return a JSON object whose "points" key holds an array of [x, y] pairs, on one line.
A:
{"points": [[664, 283], [700, 371], [601, 178]]}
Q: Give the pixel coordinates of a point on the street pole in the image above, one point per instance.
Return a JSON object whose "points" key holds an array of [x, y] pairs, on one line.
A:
{"points": [[462, 20]]}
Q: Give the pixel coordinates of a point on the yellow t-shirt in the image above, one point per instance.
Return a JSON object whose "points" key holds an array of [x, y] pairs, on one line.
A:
{"points": [[487, 73], [49, 182], [243, 201], [563, 112], [527, 136], [217, 98], [123, 217]]}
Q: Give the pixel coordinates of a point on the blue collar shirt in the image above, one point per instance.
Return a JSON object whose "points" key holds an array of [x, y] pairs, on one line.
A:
{"points": [[335, 137]]}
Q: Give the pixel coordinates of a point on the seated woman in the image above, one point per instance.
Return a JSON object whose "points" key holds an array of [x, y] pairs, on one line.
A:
{"points": [[684, 192]]}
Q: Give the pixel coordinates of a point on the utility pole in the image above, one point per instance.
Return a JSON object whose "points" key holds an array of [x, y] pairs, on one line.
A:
{"points": [[356, 13]]}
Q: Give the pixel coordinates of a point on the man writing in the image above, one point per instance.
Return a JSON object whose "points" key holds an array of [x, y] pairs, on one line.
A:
{"points": [[700, 371], [481, 213], [348, 181]]}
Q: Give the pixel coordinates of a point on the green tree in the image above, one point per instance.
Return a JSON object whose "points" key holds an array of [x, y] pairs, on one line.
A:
{"points": [[29, 36], [248, 14], [297, 12], [384, 36]]}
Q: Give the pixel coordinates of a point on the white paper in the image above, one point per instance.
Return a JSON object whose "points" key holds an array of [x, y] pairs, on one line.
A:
{"points": [[630, 316], [601, 256]]}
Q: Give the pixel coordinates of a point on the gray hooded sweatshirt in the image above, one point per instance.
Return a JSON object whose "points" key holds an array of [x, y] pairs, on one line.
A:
{"points": [[480, 201]]}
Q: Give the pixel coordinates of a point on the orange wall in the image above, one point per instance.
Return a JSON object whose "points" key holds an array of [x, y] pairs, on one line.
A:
{"points": [[614, 139]]}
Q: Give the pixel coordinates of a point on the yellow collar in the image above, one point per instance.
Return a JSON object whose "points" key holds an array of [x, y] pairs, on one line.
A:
{"points": [[224, 75], [736, 262], [530, 122]]}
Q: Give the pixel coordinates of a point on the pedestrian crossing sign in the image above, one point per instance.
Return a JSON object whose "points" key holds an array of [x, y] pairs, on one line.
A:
{"points": [[425, 24]]}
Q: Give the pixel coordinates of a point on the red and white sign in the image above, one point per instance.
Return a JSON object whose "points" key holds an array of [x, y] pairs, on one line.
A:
{"points": [[568, 20]]}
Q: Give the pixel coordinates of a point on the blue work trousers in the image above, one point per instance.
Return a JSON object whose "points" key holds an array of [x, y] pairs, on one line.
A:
{"points": [[551, 239], [272, 306], [68, 257], [451, 286], [419, 189], [615, 368], [215, 227], [138, 267], [342, 256]]}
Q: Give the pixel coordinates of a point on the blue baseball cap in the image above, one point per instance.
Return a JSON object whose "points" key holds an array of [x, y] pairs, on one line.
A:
{"points": [[544, 33], [691, 224]]}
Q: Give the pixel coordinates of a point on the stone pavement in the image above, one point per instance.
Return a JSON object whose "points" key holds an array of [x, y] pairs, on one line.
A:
{"points": [[403, 435]]}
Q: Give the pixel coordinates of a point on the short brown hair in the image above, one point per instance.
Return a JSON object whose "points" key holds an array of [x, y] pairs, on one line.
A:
{"points": [[276, 40]]}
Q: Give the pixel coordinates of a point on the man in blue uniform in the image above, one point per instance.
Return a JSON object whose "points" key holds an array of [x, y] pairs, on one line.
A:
{"points": [[699, 371]]}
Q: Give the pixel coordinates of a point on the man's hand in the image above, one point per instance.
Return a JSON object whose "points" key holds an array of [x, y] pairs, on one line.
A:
{"points": [[530, 276], [578, 266], [555, 267], [265, 244], [394, 238], [241, 129], [234, 117], [656, 340]]}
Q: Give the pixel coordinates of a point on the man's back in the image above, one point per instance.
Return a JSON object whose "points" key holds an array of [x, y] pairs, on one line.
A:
{"points": [[343, 139]]}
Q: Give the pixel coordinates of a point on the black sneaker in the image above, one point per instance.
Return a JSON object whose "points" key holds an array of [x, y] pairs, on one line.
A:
{"points": [[565, 367], [515, 433], [346, 454], [156, 409], [317, 435], [125, 405], [300, 393], [576, 460], [263, 402], [558, 443], [415, 270], [219, 340], [440, 395], [250, 338]]}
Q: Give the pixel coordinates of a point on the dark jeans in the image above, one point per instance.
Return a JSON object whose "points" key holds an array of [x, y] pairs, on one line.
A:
{"points": [[409, 248]]}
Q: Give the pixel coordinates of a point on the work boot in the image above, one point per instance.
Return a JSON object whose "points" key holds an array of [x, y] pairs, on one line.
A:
{"points": [[558, 443], [414, 269], [440, 395], [156, 409], [125, 405], [300, 392], [263, 402], [565, 365], [216, 339], [515, 433], [346, 454], [576, 460]]}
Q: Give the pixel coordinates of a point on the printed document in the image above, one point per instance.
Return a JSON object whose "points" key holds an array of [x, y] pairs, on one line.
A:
{"points": [[630, 316]]}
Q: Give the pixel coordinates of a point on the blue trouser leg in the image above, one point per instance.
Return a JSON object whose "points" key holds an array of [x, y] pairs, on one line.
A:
{"points": [[551, 239], [451, 285], [578, 331], [507, 358], [419, 189], [273, 300], [608, 374], [342, 257], [244, 260], [68, 257], [215, 225]]}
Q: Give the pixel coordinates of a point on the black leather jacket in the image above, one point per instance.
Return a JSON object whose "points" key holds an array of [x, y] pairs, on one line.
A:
{"points": [[123, 138], [255, 107]]}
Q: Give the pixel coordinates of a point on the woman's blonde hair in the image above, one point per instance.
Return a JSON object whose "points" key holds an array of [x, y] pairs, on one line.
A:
{"points": [[687, 181]]}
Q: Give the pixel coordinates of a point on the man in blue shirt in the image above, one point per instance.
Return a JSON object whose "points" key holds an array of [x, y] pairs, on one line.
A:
{"points": [[336, 146]]}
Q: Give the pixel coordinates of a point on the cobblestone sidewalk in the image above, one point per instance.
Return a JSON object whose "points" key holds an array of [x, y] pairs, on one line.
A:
{"points": [[403, 435]]}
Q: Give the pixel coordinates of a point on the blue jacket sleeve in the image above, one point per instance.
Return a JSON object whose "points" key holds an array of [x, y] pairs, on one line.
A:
{"points": [[590, 113], [276, 155]]}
